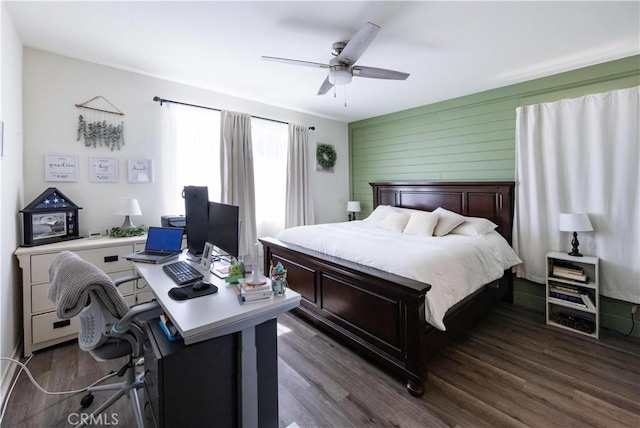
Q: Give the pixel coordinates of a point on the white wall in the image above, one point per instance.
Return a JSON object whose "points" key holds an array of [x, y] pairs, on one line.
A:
{"points": [[53, 84], [11, 192]]}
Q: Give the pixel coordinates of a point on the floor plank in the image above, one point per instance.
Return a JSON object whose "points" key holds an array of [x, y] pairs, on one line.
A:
{"points": [[510, 370]]}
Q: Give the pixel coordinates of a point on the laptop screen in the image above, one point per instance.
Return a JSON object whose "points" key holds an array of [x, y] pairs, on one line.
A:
{"points": [[164, 239]]}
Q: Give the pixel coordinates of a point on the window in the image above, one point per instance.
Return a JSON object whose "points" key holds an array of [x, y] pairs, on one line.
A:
{"points": [[197, 158]]}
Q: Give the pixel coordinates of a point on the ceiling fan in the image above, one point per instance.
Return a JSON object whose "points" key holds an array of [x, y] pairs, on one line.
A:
{"points": [[346, 53]]}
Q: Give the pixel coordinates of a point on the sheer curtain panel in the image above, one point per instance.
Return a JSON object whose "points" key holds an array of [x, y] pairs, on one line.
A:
{"points": [[236, 174], [191, 153], [270, 169], [581, 155], [299, 208]]}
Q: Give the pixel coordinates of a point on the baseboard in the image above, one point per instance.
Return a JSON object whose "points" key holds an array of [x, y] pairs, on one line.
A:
{"points": [[10, 373]]}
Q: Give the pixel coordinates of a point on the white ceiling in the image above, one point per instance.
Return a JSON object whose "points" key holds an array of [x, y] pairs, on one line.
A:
{"points": [[449, 48]]}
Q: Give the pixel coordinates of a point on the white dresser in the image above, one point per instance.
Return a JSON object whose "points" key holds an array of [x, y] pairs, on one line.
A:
{"points": [[42, 328]]}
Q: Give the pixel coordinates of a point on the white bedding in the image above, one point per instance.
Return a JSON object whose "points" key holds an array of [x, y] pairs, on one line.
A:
{"points": [[454, 265]]}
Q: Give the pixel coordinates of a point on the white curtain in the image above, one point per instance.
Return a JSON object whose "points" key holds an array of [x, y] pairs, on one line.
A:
{"points": [[190, 148], [236, 175], [299, 208], [581, 155], [270, 169]]}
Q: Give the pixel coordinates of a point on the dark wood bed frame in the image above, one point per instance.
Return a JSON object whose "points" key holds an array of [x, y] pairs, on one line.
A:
{"points": [[382, 315]]}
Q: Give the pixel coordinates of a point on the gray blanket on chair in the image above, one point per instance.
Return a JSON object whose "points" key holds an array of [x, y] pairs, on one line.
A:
{"points": [[72, 278]]}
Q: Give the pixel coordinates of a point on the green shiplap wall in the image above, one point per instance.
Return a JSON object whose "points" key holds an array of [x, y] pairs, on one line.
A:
{"points": [[467, 138], [473, 138]]}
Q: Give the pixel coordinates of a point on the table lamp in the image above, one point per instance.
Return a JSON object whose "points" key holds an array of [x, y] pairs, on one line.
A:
{"points": [[575, 222], [127, 208], [353, 207]]}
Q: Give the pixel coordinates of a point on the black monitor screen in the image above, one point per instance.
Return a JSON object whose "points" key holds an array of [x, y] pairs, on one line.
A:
{"points": [[224, 227]]}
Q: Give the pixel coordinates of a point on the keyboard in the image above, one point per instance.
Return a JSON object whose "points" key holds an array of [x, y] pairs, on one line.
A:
{"points": [[182, 272]]}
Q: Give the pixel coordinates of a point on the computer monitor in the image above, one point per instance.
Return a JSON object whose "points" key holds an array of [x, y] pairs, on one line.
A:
{"points": [[196, 200], [224, 228]]}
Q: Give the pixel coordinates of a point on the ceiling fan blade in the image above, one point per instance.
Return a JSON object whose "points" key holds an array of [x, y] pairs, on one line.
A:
{"points": [[379, 73], [295, 62], [358, 44], [326, 85]]}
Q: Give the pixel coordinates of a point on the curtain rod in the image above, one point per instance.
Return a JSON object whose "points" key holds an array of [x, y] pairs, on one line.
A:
{"points": [[162, 100]]}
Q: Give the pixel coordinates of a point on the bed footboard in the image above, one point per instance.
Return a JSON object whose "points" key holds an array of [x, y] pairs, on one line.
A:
{"points": [[380, 314]]}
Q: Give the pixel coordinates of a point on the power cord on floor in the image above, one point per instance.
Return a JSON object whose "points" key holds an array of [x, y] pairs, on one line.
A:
{"points": [[633, 324], [23, 367]]}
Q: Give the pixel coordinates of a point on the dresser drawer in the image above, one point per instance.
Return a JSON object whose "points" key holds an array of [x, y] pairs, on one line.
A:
{"points": [[40, 292], [48, 326], [109, 259]]}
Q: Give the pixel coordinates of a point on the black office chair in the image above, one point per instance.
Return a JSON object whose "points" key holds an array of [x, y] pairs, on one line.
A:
{"points": [[108, 327]]}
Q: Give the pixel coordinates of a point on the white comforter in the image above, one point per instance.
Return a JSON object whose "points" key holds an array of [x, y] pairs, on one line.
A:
{"points": [[454, 265]]}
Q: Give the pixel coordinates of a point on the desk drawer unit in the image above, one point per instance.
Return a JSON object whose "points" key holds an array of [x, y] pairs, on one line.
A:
{"points": [[42, 328]]}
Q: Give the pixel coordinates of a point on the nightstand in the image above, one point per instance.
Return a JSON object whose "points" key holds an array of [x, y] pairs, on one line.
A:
{"points": [[573, 293]]}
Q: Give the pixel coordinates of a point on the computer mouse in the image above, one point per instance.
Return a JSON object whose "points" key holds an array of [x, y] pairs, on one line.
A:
{"points": [[201, 285], [178, 294]]}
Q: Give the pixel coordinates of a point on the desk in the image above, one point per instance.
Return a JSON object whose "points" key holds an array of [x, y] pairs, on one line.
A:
{"points": [[218, 317]]}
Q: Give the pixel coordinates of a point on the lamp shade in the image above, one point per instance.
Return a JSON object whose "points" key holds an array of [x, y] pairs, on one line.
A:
{"points": [[575, 222], [353, 206], [128, 207]]}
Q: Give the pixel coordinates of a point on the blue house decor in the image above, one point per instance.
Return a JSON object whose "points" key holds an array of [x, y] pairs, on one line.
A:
{"points": [[51, 217]]}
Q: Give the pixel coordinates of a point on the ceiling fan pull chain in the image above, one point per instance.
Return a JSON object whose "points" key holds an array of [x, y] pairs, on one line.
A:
{"points": [[345, 96]]}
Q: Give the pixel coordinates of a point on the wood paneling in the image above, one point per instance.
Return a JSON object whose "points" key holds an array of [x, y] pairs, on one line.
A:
{"points": [[467, 138]]}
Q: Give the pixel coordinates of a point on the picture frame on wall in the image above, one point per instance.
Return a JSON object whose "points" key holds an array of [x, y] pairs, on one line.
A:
{"points": [[60, 167], [103, 170], [140, 170]]}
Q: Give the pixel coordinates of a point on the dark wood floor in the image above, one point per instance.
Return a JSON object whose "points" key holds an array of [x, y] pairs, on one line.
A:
{"points": [[511, 370]]}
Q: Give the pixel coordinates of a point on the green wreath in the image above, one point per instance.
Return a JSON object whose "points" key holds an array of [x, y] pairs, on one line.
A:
{"points": [[326, 156]]}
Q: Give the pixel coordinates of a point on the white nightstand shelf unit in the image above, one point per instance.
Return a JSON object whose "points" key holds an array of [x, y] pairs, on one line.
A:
{"points": [[573, 293]]}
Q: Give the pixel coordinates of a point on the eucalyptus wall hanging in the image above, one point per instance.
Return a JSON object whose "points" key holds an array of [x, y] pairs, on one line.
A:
{"points": [[325, 157], [100, 124]]}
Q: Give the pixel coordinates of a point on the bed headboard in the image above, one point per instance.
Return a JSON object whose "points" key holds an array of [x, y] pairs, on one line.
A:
{"points": [[489, 199]]}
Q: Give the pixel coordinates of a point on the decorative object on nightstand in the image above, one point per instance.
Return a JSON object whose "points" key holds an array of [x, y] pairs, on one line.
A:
{"points": [[573, 293], [127, 208], [353, 207], [575, 222]]}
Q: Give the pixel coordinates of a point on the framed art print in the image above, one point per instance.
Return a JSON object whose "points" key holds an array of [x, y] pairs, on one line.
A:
{"points": [[103, 170], [60, 167], [140, 170]]}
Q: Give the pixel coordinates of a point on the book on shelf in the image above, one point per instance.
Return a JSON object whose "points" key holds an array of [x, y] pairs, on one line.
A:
{"points": [[583, 299], [570, 275]]}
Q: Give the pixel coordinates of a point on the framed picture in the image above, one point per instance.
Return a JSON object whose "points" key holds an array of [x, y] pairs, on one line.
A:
{"points": [[60, 167], [103, 170], [205, 261], [140, 170]]}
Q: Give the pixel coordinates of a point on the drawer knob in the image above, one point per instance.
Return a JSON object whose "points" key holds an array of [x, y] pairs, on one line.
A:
{"points": [[109, 259]]}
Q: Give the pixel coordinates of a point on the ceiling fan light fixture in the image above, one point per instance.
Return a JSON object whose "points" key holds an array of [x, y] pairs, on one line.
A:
{"points": [[340, 75]]}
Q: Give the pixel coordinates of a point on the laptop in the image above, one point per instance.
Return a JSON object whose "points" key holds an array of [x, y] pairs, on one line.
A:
{"points": [[163, 243]]}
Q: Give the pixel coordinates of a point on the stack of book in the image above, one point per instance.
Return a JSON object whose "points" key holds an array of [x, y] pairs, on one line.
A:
{"points": [[253, 292], [569, 271], [571, 294]]}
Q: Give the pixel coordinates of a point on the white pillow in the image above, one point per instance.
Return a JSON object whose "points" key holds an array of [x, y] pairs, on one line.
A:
{"points": [[421, 223], [474, 226], [395, 221], [379, 214], [447, 222]]}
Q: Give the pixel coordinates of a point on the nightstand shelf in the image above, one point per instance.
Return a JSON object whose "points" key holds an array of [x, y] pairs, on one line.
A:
{"points": [[573, 304]]}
